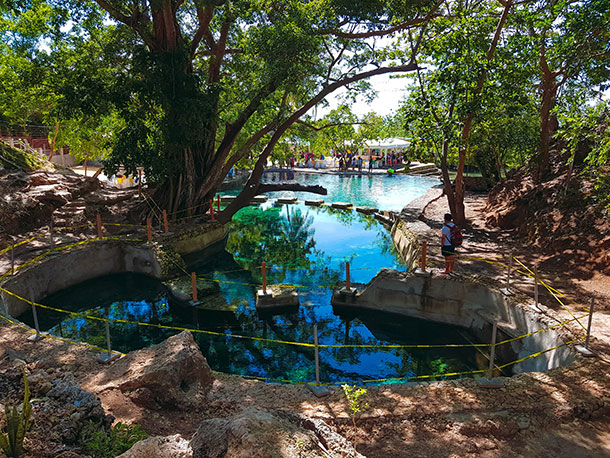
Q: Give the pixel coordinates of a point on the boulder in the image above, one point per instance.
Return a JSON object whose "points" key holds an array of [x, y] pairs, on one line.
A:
{"points": [[160, 447], [257, 434], [171, 374]]}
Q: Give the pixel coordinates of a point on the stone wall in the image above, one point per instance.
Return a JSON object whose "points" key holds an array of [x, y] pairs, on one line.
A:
{"points": [[93, 260], [469, 305]]}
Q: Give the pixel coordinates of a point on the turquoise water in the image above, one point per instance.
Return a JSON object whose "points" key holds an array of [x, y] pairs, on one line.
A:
{"points": [[303, 246], [379, 191]]}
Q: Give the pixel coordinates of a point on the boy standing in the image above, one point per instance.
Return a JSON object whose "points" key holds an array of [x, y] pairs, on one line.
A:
{"points": [[448, 248]]}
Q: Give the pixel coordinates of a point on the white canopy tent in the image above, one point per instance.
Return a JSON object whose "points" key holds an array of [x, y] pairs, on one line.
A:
{"points": [[387, 144]]}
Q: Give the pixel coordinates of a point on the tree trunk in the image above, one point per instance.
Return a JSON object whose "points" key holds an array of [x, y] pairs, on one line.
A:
{"points": [[446, 180], [460, 215], [549, 91]]}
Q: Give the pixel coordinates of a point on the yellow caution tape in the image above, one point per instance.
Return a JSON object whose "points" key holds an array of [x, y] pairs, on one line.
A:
{"points": [[61, 339]]}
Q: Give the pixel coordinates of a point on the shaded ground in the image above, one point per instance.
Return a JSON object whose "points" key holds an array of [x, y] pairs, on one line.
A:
{"points": [[560, 413]]}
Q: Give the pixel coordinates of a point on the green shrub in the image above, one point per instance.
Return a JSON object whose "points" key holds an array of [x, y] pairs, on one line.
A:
{"points": [[17, 424], [108, 444], [355, 397]]}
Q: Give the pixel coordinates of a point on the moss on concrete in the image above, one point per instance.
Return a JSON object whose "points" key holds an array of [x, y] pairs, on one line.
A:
{"points": [[172, 264]]}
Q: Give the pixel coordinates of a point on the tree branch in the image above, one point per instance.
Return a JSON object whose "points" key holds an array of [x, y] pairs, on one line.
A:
{"points": [[334, 124]]}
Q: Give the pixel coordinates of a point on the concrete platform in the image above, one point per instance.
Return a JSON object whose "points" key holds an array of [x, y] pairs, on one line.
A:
{"points": [[287, 200], [341, 205], [366, 210], [277, 296], [227, 198], [314, 203]]}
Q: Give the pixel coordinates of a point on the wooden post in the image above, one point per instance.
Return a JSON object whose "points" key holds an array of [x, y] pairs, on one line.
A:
{"points": [[165, 226], [348, 284], [211, 209], [264, 273], [316, 353], [589, 325], [218, 202], [149, 230], [424, 253], [492, 349], [51, 232], [99, 227], [13, 259], [140, 183], [536, 285], [35, 315], [194, 286]]}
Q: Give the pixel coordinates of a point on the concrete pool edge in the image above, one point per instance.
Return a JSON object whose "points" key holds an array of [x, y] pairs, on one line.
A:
{"points": [[467, 304], [96, 258]]}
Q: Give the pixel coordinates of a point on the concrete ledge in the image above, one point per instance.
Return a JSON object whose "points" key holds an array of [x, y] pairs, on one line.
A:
{"points": [[260, 198], [227, 198]]}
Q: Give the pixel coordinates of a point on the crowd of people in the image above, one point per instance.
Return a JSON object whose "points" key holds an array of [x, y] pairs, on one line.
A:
{"points": [[347, 160]]}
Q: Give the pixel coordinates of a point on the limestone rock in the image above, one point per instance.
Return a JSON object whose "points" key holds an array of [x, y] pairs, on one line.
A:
{"points": [[257, 434], [174, 373], [160, 447]]}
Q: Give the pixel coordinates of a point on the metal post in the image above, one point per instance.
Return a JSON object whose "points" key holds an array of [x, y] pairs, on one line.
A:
{"points": [[589, 325], [510, 267], [348, 285], [264, 273], [13, 259], [149, 230], [51, 232], [108, 338], [424, 252], [99, 227], [536, 285], [194, 286], [492, 349], [35, 315], [165, 226], [317, 356], [211, 210]]}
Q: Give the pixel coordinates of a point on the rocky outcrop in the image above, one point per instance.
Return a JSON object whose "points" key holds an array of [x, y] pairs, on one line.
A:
{"points": [[172, 374], [257, 434], [160, 447]]}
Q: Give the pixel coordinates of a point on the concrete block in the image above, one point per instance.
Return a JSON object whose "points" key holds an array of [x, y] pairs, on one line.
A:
{"points": [[367, 210], [276, 297], [314, 203], [227, 198], [584, 351], [319, 391], [260, 198], [287, 200], [341, 205]]}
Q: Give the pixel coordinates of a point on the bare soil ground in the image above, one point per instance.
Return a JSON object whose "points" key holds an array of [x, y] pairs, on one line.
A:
{"points": [[564, 412]]}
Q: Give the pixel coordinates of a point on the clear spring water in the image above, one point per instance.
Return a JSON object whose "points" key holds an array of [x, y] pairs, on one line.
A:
{"points": [[306, 247]]}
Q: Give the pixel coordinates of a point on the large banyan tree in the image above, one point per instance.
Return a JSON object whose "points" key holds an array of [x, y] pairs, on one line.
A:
{"points": [[207, 83]]}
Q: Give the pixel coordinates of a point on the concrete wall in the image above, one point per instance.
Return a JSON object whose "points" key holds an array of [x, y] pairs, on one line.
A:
{"points": [[407, 244], [198, 238], [55, 273], [469, 305]]}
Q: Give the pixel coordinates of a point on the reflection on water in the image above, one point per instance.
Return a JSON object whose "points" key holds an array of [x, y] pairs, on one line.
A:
{"points": [[306, 247]]}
